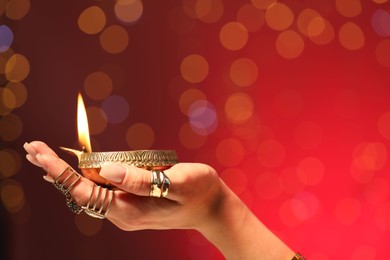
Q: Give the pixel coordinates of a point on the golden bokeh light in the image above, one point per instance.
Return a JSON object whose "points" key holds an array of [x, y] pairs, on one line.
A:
{"points": [[128, 11], [19, 92], [17, 9], [306, 18], [322, 31], [5, 94], [230, 152], [243, 72], [263, 4], [368, 158], [10, 163], [251, 17], [11, 127], [7, 101], [114, 39], [382, 53], [97, 120], [194, 68], [12, 196], [271, 153], [188, 97], [289, 44], [239, 108], [17, 68], [140, 136], [349, 8], [92, 20], [316, 26], [88, 226], [351, 36], [189, 139], [4, 57], [209, 11], [233, 36], [98, 85], [279, 17]]}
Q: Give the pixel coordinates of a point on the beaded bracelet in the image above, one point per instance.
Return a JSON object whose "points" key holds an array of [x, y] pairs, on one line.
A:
{"points": [[298, 256]]}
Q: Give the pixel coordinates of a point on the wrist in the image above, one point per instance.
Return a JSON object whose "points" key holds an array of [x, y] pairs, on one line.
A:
{"points": [[224, 222], [239, 234]]}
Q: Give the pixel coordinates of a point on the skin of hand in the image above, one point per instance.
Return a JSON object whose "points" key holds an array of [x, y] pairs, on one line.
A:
{"points": [[197, 199]]}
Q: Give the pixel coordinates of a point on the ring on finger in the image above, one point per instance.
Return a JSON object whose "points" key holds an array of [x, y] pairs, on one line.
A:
{"points": [[61, 183], [160, 183], [98, 205]]}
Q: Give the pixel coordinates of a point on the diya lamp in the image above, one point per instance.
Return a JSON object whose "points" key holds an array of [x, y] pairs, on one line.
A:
{"points": [[90, 162]]}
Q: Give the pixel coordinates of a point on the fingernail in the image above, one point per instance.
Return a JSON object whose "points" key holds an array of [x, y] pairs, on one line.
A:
{"points": [[48, 178], [113, 172], [29, 148], [33, 160]]}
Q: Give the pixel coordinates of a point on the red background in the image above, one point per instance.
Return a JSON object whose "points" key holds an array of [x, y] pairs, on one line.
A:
{"points": [[311, 159]]}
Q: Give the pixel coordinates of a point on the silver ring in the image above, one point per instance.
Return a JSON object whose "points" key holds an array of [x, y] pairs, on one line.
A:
{"points": [[159, 184]]}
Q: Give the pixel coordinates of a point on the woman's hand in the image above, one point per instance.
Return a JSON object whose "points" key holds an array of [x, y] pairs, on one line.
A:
{"points": [[194, 193]]}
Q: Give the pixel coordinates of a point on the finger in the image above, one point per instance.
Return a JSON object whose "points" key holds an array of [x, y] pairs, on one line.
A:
{"points": [[48, 178], [54, 166], [30, 149], [130, 179], [33, 160], [95, 200], [34, 148], [42, 148]]}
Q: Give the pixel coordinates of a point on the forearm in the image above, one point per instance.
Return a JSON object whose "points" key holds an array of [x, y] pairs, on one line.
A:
{"points": [[238, 234]]}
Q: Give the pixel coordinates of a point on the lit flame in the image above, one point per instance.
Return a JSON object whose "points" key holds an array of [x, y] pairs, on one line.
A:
{"points": [[82, 125]]}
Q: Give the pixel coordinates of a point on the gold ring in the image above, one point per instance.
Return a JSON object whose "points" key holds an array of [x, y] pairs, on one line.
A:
{"points": [[60, 183], [98, 206]]}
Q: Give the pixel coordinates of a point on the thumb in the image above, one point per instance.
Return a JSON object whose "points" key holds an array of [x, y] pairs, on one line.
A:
{"points": [[128, 178]]}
